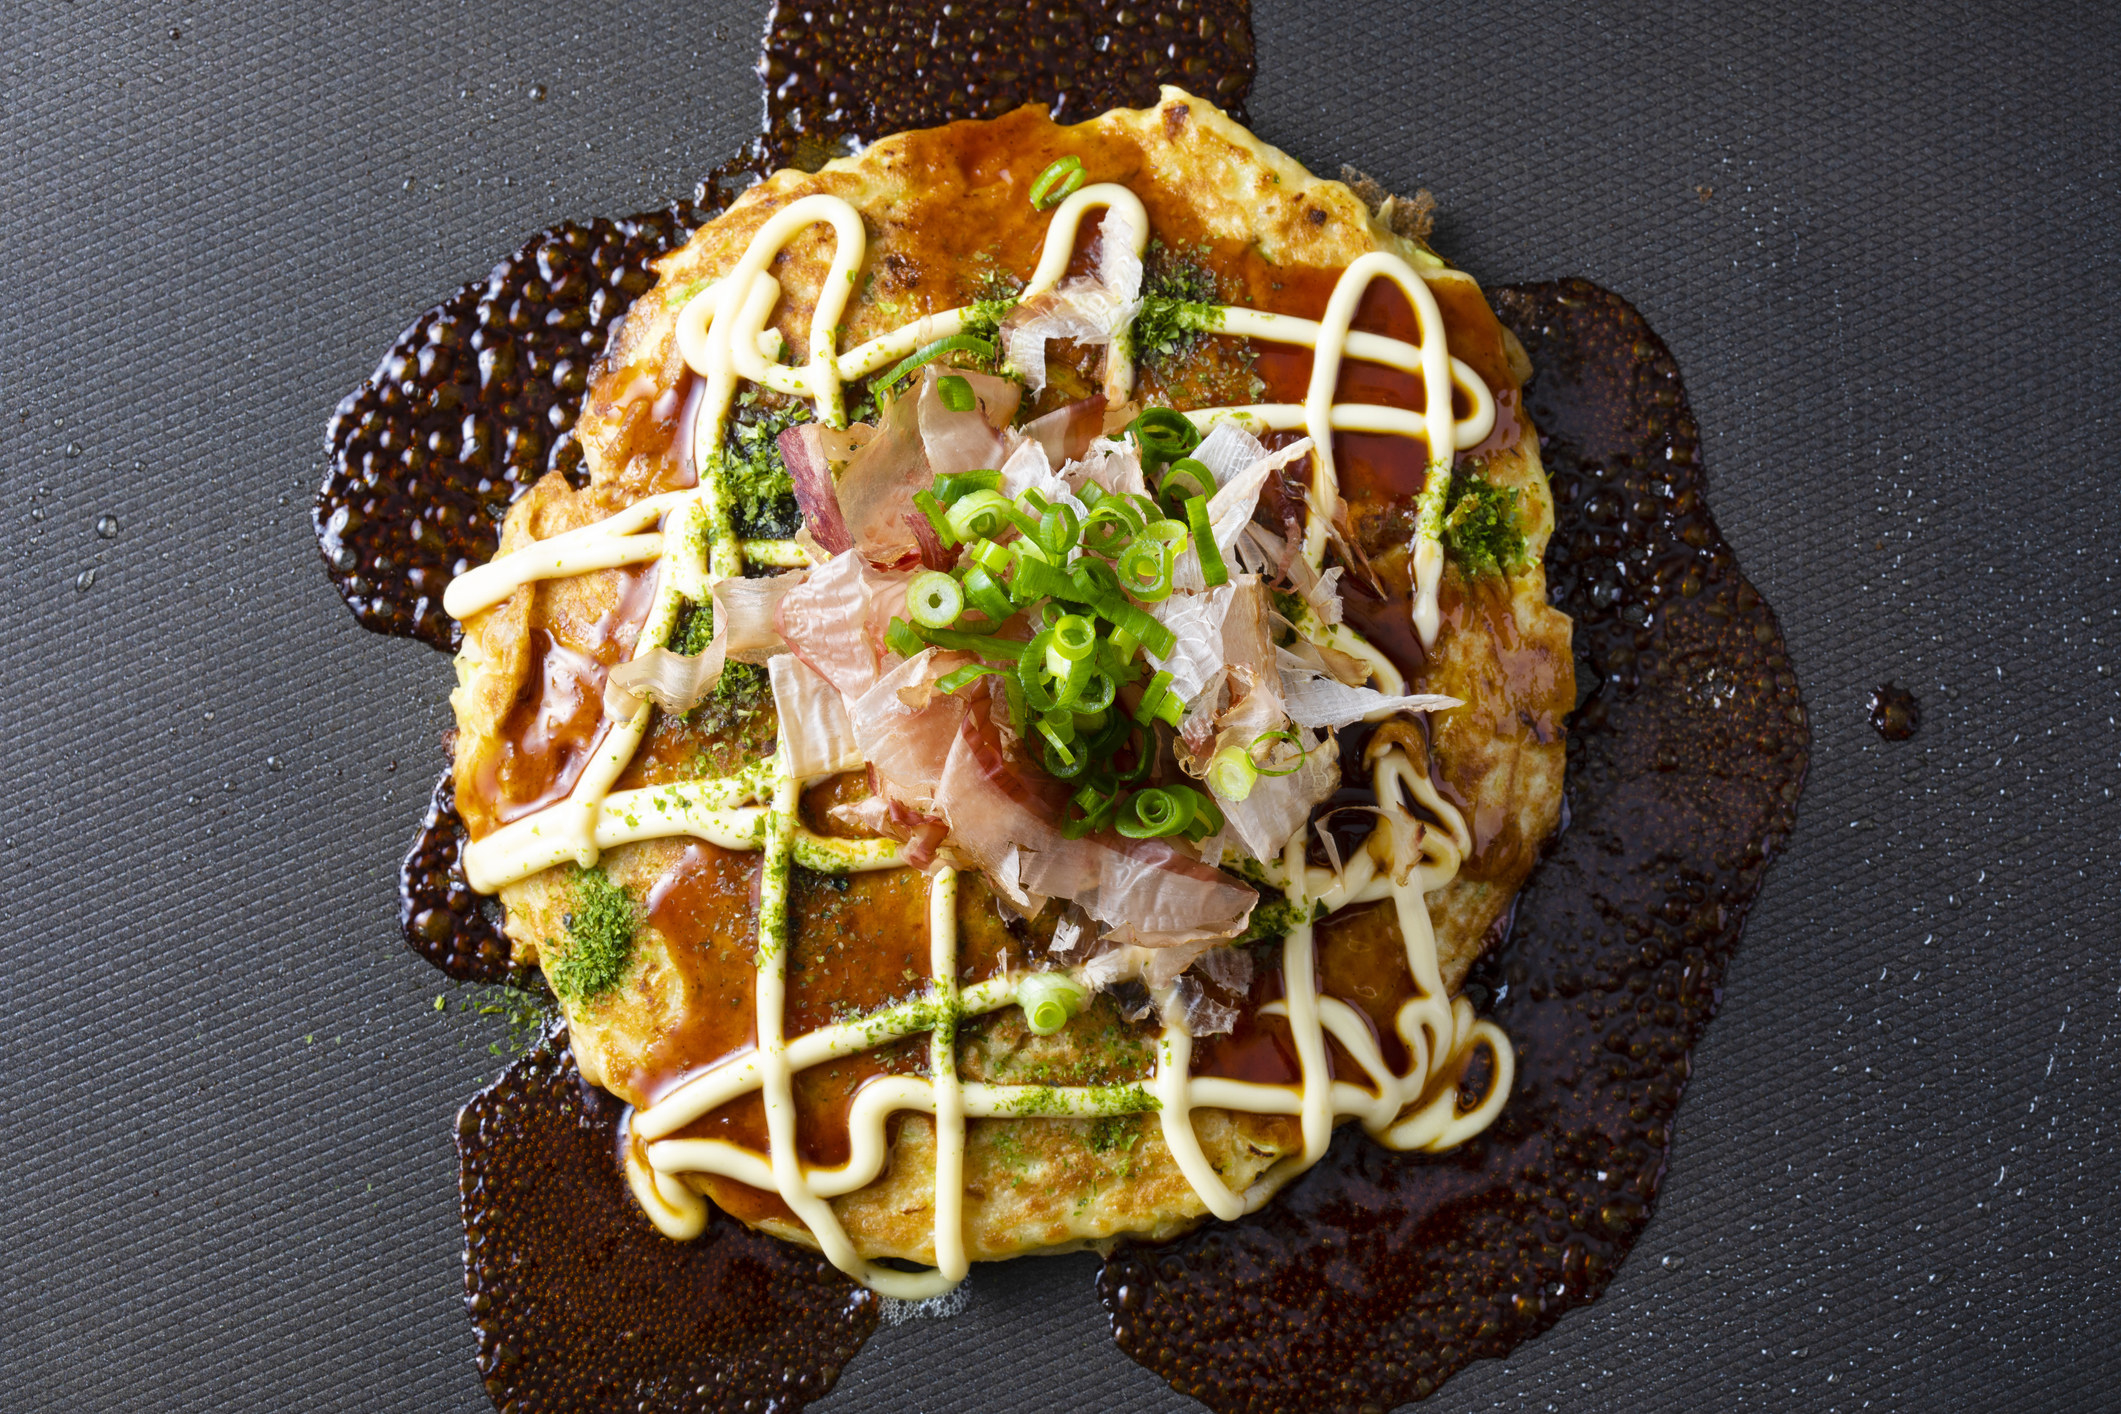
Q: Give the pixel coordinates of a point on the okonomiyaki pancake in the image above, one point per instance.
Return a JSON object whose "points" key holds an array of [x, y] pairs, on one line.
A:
{"points": [[1046, 690]]}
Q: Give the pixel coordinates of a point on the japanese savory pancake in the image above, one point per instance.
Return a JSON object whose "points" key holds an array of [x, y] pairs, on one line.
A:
{"points": [[652, 938]]}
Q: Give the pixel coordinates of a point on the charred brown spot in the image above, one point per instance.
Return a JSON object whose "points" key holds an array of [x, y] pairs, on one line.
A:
{"points": [[900, 271], [1316, 216], [1175, 120]]}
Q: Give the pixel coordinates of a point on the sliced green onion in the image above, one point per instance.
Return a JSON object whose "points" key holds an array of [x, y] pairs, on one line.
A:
{"points": [[1185, 480], [1063, 763], [985, 645], [1058, 182], [983, 513], [1143, 740], [928, 353], [1073, 638], [1033, 674], [1163, 436], [1153, 698], [1097, 808], [993, 558], [937, 516], [1145, 630], [1050, 1000], [1155, 813], [1034, 580], [1118, 664], [954, 486], [971, 672], [1098, 692], [986, 594], [1268, 739], [1145, 570], [956, 393], [934, 599], [1109, 526], [1076, 679], [901, 639], [1059, 527], [1058, 728], [1212, 568], [1231, 773]]}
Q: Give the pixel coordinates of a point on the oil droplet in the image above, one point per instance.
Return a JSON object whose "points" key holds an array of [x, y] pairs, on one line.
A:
{"points": [[537, 93], [272, 763], [73, 449], [85, 580], [1895, 713], [106, 526]]}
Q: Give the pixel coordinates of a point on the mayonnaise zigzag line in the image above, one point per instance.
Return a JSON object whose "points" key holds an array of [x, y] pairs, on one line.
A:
{"points": [[723, 335]]}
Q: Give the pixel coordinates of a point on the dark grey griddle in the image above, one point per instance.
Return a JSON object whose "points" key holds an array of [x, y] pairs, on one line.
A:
{"points": [[1883, 249]]}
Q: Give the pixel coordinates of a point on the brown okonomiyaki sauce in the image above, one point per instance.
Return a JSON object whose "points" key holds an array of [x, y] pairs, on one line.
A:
{"points": [[1607, 978], [1376, 1275], [581, 1305]]}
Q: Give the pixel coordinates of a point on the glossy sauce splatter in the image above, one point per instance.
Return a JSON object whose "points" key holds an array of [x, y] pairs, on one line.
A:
{"points": [[1896, 714], [1376, 1274]]}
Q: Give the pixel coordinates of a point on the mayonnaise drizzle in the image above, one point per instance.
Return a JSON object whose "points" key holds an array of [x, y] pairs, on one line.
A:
{"points": [[723, 335]]}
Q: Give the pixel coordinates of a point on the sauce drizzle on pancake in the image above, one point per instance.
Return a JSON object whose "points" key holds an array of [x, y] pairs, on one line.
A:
{"points": [[1409, 1101], [390, 529]]}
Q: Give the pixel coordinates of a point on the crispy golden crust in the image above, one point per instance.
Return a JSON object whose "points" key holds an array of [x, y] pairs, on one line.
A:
{"points": [[1505, 652], [942, 211], [1052, 1185]]}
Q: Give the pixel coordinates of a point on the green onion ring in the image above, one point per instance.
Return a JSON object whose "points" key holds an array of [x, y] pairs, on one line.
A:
{"points": [[934, 599], [1231, 773], [1059, 527], [982, 514], [1183, 480], [984, 645], [1057, 183], [1163, 436], [1032, 674], [1303, 753], [1073, 638], [1155, 813], [1153, 697], [1099, 691], [1145, 570]]}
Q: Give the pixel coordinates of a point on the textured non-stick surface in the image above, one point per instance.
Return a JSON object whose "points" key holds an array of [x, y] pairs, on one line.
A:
{"points": [[1883, 249]]}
